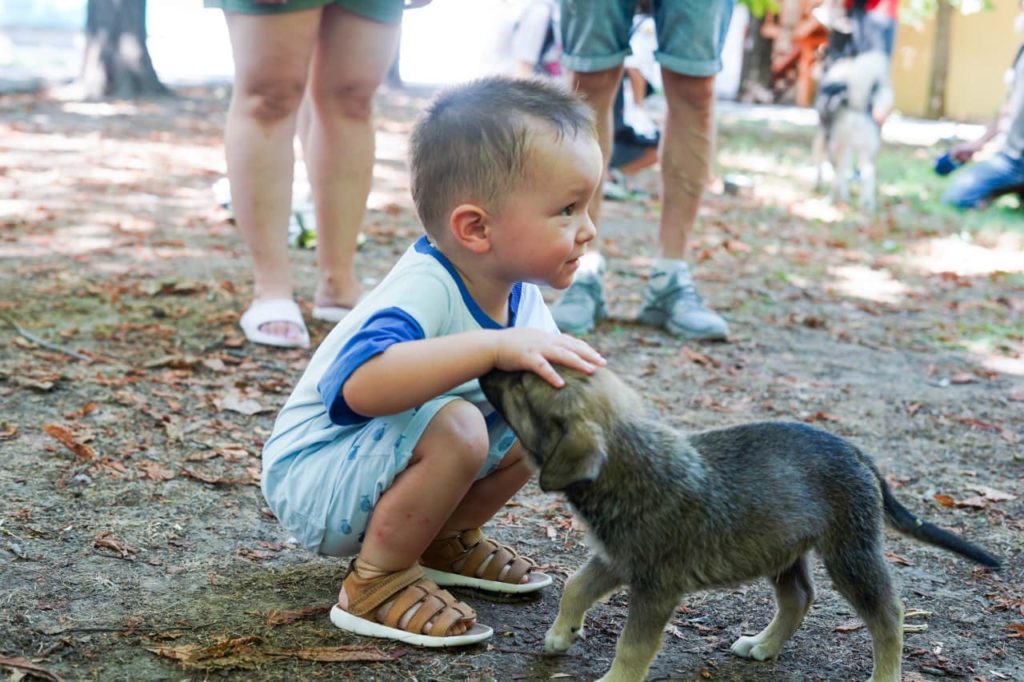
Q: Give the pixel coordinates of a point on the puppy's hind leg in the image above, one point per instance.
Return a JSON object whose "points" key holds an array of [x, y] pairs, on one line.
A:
{"points": [[591, 582], [649, 611], [794, 594], [868, 190], [818, 153], [861, 576]]}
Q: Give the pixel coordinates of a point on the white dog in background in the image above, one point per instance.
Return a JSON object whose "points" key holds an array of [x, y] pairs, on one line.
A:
{"points": [[851, 90]]}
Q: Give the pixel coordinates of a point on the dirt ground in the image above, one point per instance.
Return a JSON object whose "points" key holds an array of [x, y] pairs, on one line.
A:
{"points": [[134, 542]]}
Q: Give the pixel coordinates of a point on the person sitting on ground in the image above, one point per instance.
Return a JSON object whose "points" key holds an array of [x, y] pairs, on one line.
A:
{"points": [[387, 448], [1003, 172]]}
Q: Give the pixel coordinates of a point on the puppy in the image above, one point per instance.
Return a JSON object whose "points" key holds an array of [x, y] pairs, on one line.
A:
{"points": [[669, 513], [850, 91]]}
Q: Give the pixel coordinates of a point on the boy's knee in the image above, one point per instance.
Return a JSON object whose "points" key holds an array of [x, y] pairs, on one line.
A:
{"points": [[272, 101], [459, 427]]}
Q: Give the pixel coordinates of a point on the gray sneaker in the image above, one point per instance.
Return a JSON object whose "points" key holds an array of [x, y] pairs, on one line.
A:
{"points": [[581, 306], [671, 301]]}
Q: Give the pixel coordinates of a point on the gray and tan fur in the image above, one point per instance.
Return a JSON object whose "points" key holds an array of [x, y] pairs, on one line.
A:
{"points": [[848, 133], [670, 513]]}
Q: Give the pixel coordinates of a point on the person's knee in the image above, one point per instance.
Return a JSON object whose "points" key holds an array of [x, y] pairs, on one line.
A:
{"points": [[351, 99], [459, 434], [270, 101], [692, 92]]}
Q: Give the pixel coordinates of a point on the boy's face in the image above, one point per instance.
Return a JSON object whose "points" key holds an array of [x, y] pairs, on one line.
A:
{"points": [[544, 228]]}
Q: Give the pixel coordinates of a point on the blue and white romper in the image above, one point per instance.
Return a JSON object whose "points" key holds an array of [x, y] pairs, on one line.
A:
{"points": [[324, 466]]}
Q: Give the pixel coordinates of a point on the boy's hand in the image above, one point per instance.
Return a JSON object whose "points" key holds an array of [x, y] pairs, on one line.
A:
{"points": [[536, 350]]}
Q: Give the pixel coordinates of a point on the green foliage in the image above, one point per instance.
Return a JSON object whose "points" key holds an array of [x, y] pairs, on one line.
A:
{"points": [[759, 7], [919, 11]]}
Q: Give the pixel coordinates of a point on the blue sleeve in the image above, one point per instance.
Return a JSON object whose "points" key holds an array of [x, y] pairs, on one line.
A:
{"points": [[381, 330]]}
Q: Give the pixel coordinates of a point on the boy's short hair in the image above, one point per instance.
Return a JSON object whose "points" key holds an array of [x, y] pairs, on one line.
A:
{"points": [[472, 142]]}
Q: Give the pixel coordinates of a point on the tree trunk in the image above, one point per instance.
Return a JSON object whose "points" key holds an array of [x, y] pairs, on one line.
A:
{"points": [[117, 63], [940, 60]]}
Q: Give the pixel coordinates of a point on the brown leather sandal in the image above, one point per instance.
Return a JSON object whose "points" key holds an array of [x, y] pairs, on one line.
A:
{"points": [[407, 588], [460, 559]]}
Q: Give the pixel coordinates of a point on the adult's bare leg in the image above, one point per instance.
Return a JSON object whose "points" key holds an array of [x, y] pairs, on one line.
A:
{"points": [[271, 54], [351, 59], [686, 149]]}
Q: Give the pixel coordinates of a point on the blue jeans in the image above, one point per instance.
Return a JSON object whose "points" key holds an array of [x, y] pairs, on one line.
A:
{"points": [[691, 33], [976, 185]]}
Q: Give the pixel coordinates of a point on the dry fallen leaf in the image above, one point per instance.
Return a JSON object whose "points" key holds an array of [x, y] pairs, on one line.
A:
{"points": [[944, 500], [107, 540], [65, 436], [700, 358], [155, 471], [993, 494], [276, 617], [236, 402]]}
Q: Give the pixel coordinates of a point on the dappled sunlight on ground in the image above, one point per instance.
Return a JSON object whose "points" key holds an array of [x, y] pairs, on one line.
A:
{"points": [[863, 282], [953, 254], [818, 208]]}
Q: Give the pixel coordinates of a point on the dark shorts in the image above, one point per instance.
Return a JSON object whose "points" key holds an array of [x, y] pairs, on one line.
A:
{"points": [[386, 11]]}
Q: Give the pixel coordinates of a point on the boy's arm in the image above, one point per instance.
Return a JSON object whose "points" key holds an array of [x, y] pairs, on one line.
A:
{"points": [[409, 374]]}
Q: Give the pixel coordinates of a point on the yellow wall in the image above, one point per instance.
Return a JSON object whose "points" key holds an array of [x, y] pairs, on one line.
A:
{"points": [[984, 44]]}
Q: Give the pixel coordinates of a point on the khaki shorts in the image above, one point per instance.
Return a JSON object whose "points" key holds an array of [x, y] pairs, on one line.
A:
{"points": [[386, 11]]}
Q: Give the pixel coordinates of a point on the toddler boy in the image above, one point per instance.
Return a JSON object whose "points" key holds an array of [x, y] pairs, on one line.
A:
{"points": [[387, 448]]}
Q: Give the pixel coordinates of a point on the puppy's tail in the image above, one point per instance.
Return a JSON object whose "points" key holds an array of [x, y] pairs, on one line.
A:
{"points": [[901, 518]]}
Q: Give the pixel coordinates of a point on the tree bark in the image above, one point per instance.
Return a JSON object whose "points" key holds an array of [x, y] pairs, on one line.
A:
{"points": [[940, 60], [117, 63]]}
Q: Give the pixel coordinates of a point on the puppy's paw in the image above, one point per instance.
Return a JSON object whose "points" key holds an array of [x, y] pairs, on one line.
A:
{"points": [[755, 648], [560, 637]]}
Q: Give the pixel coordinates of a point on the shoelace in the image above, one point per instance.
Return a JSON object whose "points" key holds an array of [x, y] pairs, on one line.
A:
{"points": [[682, 292]]}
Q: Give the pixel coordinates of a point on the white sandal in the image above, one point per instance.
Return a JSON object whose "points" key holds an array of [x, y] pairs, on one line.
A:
{"points": [[274, 310]]}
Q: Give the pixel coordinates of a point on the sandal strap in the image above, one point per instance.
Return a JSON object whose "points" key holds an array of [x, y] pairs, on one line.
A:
{"points": [[366, 595], [434, 604], [474, 548], [411, 588]]}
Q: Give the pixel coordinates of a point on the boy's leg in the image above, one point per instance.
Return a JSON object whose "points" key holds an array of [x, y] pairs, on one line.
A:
{"points": [[418, 504], [690, 38], [271, 54], [487, 495], [596, 42], [411, 512], [352, 57], [463, 556]]}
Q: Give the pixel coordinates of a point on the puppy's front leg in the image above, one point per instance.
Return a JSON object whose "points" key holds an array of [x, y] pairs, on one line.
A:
{"points": [[593, 581], [649, 611]]}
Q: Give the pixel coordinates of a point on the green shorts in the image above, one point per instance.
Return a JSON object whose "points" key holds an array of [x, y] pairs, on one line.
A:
{"points": [[386, 11]]}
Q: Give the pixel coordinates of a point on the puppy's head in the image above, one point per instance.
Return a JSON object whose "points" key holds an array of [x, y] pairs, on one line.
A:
{"points": [[564, 430]]}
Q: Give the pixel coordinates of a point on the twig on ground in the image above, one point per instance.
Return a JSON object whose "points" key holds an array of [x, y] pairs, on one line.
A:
{"points": [[40, 342]]}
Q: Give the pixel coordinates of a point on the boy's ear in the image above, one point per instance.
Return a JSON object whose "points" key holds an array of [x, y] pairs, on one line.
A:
{"points": [[469, 225]]}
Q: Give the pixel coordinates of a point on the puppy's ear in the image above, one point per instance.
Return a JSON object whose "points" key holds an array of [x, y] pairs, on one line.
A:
{"points": [[580, 457]]}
